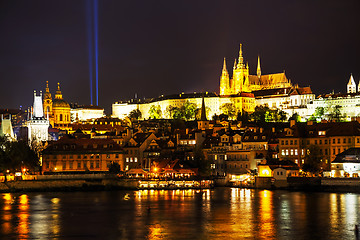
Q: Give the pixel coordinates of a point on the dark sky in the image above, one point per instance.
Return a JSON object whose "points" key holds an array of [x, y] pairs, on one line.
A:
{"points": [[165, 47]]}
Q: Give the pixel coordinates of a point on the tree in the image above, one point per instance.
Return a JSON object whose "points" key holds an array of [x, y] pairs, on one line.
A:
{"points": [[295, 117], [335, 113], [312, 160], [259, 114], [155, 112], [114, 167], [16, 155], [188, 110], [200, 162], [135, 114], [243, 117], [185, 112], [229, 109]]}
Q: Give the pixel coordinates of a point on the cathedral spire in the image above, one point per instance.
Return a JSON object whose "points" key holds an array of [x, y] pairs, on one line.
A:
{"points": [[258, 72], [241, 59], [224, 65], [234, 64]]}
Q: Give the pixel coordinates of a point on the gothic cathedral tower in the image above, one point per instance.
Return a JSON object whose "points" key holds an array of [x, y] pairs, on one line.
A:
{"points": [[225, 81]]}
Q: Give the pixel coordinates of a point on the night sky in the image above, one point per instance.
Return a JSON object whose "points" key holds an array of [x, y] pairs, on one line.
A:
{"points": [[166, 47]]}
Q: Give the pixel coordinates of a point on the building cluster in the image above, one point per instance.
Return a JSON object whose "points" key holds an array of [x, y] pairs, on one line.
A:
{"points": [[82, 139]]}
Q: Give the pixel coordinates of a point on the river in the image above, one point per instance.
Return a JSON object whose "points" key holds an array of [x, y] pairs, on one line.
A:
{"points": [[220, 213]]}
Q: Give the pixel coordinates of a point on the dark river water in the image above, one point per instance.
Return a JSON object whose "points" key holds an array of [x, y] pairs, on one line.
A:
{"points": [[221, 213]]}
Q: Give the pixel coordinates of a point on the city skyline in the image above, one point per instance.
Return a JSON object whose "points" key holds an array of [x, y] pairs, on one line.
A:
{"points": [[166, 48]]}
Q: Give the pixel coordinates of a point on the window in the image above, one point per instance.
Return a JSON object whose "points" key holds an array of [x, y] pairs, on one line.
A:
{"points": [[85, 157], [79, 157], [97, 156], [320, 141], [135, 159], [91, 164], [344, 140], [286, 142], [333, 140], [291, 142], [315, 142], [78, 165], [291, 152], [349, 140], [296, 152], [338, 140], [107, 155], [325, 141], [97, 164], [295, 141], [64, 165], [127, 159], [71, 165], [71, 156], [117, 156]]}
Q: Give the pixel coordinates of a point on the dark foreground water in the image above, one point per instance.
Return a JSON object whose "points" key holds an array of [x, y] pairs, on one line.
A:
{"points": [[222, 213]]}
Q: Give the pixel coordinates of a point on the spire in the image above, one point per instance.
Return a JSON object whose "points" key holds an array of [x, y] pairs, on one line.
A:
{"points": [[203, 111], [58, 94], [241, 59], [224, 65], [258, 71], [351, 86], [234, 64]]}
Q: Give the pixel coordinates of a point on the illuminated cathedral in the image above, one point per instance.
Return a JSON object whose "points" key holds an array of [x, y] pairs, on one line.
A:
{"points": [[242, 81]]}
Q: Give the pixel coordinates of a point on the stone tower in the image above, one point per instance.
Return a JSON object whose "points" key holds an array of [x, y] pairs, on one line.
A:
{"points": [[351, 86], [38, 125]]}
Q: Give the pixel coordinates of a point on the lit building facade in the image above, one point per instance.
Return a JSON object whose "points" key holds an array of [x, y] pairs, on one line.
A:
{"points": [[81, 155], [348, 103], [86, 113], [213, 103], [327, 139]]}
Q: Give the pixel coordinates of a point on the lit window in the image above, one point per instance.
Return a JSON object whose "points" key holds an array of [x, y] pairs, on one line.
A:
{"points": [[287, 152], [127, 159], [296, 152]]}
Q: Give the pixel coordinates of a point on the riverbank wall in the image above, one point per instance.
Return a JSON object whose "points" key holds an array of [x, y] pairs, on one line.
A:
{"points": [[94, 182]]}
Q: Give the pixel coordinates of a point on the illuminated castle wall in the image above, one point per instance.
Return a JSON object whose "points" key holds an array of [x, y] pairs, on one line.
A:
{"points": [[242, 81], [213, 103]]}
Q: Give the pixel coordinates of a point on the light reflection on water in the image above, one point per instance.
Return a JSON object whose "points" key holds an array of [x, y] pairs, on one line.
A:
{"points": [[229, 213]]}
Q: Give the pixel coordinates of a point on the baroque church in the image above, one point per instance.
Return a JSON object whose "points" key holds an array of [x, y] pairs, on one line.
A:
{"points": [[242, 81], [57, 110]]}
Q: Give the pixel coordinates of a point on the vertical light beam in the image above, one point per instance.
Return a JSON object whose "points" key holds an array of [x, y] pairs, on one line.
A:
{"points": [[96, 39], [89, 23]]}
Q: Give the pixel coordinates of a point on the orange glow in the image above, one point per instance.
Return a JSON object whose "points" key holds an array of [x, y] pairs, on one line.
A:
{"points": [[23, 227], [266, 214]]}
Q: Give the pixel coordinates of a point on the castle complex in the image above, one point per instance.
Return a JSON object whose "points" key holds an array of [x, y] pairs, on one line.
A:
{"points": [[243, 91], [242, 81]]}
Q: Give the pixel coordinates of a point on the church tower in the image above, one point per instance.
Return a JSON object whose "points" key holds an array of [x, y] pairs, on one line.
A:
{"points": [[203, 123], [351, 86], [48, 113], [240, 75], [224, 81], [38, 125], [258, 71]]}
